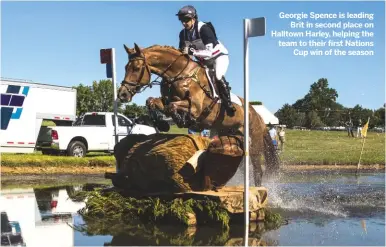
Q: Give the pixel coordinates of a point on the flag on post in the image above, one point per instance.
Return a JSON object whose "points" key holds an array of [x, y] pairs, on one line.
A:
{"points": [[256, 27], [364, 133], [365, 127]]}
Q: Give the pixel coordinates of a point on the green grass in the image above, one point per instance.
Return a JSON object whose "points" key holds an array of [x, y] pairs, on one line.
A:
{"points": [[36, 159], [39, 160], [330, 147], [302, 147], [175, 130]]}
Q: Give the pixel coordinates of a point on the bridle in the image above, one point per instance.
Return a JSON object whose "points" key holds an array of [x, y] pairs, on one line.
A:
{"points": [[192, 75], [137, 85]]}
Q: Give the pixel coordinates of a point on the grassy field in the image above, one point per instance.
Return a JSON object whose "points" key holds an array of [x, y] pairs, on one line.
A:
{"points": [[38, 160], [332, 147], [302, 147], [93, 159], [175, 130]]}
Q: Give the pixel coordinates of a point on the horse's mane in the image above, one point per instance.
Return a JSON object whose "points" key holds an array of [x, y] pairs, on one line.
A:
{"points": [[177, 51], [174, 50]]}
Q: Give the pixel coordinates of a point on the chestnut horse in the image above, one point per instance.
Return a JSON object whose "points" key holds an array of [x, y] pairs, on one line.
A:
{"points": [[186, 96]]}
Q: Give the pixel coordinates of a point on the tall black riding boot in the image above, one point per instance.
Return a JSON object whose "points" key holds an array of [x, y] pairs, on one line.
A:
{"points": [[226, 97]]}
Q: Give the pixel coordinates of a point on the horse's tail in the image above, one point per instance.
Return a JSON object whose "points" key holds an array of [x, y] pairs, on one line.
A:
{"points": [[272, 162]]}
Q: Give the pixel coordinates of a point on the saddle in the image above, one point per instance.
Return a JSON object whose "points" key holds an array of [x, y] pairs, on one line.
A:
{"points": [[214, 92], [214, 89]]}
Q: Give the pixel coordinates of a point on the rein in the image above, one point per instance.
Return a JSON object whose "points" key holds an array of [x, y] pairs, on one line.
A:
{"points": [[139, 88], [192, 75], [137, 85]]}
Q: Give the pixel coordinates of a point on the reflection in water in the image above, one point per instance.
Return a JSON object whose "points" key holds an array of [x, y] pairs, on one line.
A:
{"points": [[125, 234], [42, 216], [322, 209]]}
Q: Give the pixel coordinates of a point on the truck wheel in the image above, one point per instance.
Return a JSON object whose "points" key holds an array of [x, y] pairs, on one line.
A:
{"points": [[76, 149]]}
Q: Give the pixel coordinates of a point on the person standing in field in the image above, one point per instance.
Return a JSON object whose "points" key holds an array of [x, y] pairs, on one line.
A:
{"points": [[273, 133], [282, 138], [359, 128], [349, 126]]}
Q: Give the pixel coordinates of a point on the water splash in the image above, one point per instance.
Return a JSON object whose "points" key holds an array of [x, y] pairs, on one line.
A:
{"points": [[328, 194], [300, 198]]}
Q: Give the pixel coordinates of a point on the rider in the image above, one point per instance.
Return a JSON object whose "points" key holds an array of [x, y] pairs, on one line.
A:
{"points": [[199, 39]]}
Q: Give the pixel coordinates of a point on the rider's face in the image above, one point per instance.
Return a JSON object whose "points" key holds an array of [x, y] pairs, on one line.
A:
{"points": [[187, 23]]}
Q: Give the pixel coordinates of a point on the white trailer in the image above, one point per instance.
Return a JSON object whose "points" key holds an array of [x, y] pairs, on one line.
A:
{"points": [[24, 105]]}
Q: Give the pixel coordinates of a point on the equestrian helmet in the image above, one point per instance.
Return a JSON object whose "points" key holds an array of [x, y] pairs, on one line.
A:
{"points": [[187, 11]]}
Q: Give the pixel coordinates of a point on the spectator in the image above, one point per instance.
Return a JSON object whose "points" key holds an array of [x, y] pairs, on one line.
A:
{"points": [[205, 133], [273, 134], [359, 128], [349, 126], [282, 138]]}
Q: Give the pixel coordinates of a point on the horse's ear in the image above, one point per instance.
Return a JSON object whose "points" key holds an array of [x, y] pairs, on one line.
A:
{"points": [[128, 50], [137, 49]]}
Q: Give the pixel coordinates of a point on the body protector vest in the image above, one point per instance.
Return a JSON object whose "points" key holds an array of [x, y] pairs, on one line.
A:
{"points": [[208, 52]]}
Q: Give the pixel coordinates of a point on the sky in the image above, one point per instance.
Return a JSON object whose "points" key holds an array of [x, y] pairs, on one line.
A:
{"points": [[59, 42]]}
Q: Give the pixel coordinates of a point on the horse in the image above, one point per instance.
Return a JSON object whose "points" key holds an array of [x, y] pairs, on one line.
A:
{"points": [[186, 96]]}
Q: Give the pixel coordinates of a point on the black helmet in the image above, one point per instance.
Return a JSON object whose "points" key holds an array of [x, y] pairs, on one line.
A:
{"points": [[187, 11]]}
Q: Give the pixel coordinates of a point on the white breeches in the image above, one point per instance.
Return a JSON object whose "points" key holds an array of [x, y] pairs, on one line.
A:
{"points": [[221, 66]]}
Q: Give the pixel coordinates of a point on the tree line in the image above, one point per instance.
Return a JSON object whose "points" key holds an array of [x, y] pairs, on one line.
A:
{"points": [[319, 108], [99, 98]]}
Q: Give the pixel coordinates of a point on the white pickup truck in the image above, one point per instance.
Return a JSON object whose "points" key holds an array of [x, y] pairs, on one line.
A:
{"points": [[93, 132]]}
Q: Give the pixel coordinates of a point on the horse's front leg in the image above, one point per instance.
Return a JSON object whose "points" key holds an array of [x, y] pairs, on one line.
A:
{"points": [[182, 105], [155, 104]]}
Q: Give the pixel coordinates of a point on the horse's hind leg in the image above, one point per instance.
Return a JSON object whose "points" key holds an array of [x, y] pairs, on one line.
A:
{"points": [[255, 159]]}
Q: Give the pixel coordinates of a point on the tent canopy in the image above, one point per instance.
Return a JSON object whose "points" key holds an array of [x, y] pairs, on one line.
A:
{"points": [[267, 116]]}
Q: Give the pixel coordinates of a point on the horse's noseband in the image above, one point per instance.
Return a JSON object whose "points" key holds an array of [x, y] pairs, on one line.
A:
{"points": [[132, 84]]}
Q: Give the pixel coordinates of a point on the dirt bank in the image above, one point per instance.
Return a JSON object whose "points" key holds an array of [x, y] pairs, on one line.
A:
{"points": [[101, 170]]}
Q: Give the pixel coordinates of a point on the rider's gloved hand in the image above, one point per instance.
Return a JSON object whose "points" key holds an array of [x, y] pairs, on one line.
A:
{"points": [[192, 49], [185, 50]]}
